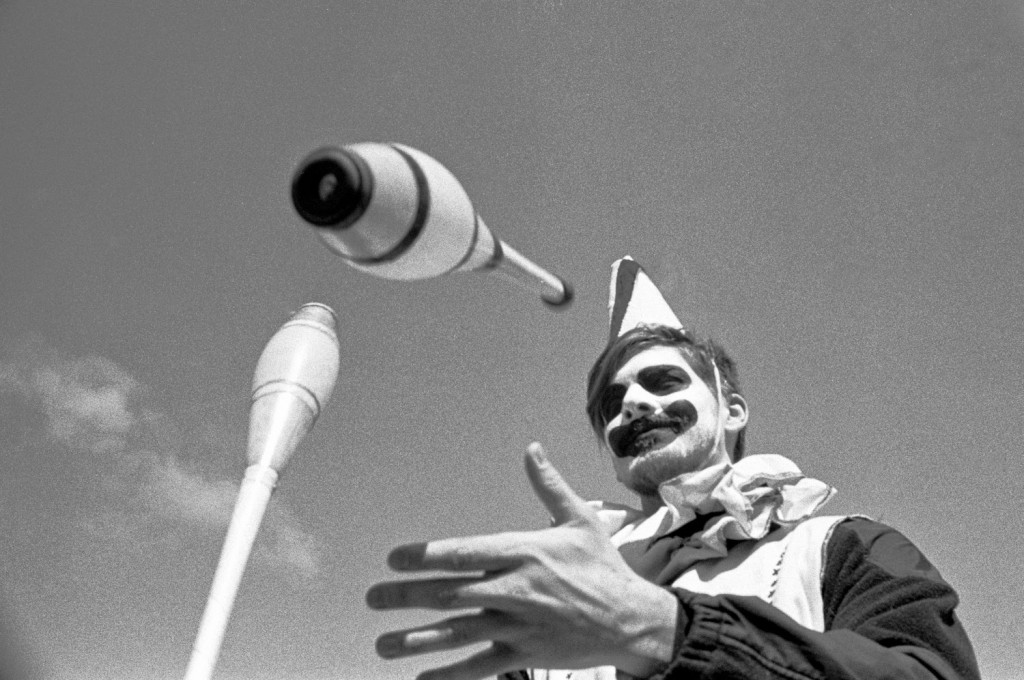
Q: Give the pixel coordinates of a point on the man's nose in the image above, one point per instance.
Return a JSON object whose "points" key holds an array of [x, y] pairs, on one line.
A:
{"points": [[636, 403]]}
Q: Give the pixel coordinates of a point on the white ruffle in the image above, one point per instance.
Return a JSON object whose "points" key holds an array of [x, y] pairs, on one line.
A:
{"points": [[744, 501]]}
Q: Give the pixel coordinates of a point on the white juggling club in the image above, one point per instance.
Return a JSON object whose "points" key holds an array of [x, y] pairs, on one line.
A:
{"points": [[393, 211], [294, 378]]}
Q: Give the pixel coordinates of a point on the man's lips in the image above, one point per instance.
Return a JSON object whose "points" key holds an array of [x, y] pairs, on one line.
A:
{"points": [[639, 436], [650, 439]]}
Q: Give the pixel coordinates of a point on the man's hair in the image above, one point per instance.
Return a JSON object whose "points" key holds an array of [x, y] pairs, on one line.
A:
{"points": [[701, 354]]}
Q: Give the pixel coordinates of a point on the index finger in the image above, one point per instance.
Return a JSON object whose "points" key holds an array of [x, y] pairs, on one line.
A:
{"points": [[473, 553]]}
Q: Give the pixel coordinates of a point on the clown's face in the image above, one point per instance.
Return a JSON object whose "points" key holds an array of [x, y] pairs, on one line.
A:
{"points": [[661, 420]]}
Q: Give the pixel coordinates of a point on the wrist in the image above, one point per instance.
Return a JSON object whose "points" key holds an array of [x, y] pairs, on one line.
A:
{"points": [[649, 648]]}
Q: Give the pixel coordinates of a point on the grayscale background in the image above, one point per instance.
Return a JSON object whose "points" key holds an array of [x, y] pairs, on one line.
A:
{"points": [[833, 190]]}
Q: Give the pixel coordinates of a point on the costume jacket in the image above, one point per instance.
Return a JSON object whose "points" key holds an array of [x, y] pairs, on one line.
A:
{"points": [[768, 590]]}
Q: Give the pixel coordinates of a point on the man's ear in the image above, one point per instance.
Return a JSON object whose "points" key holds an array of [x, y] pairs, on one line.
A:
{"points": [[738, 414]]}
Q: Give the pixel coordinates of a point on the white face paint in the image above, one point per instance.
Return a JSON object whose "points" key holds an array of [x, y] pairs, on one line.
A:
{"points": [[662, 420]]}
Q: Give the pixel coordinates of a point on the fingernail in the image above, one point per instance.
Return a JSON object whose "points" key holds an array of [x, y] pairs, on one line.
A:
{"points": [[376, 597], [407, 557], [398, 559], [388, 646]]}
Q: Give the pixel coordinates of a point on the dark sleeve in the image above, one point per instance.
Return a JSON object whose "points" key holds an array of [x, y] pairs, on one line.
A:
{"points": [[888, 615]]}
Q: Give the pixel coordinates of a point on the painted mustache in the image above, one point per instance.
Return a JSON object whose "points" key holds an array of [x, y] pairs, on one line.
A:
{"points": [[678, 416]]}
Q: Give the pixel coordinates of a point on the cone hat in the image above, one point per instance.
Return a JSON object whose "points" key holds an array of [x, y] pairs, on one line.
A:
{"points": [[634, 300]]}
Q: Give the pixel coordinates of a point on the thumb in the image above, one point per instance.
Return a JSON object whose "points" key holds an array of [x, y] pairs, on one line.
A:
{"points": [[556, 494]]}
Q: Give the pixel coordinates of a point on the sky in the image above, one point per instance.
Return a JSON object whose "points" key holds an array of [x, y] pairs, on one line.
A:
{"points": [[832, 190]]}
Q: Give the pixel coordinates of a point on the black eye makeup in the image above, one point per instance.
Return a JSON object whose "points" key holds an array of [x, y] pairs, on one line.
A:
{"points": [[663, 379], [659, 380], [611, 401]]}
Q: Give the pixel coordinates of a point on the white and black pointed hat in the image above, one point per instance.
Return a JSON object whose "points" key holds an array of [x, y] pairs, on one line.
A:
{"points": [[634, 300]]}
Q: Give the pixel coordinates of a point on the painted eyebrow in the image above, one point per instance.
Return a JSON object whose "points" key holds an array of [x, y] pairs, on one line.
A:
{"points": [[660, 370], [655, 371]]}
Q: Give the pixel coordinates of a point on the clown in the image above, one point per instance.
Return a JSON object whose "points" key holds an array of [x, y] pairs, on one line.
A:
{"points": [[725, 570]]}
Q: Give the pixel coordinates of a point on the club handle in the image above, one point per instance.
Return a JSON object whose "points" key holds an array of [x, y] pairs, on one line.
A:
{"points": [[511, 265], [250, 506]]}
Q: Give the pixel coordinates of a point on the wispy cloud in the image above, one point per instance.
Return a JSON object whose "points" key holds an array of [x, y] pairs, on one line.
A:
{"points": [[92, 407]]}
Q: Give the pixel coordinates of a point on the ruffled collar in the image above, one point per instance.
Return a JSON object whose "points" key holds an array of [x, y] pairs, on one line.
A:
{"points": [[704, 510]]}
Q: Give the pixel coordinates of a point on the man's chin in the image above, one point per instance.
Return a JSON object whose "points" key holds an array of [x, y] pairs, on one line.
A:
{"points": [[646, 472]]}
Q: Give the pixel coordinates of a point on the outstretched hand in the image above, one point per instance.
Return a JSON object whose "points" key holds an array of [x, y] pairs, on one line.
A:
{"points": [[561, 597]]}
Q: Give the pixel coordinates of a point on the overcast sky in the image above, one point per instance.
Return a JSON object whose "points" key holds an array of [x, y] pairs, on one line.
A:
{"points": [[833, 190]]}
